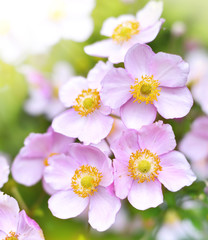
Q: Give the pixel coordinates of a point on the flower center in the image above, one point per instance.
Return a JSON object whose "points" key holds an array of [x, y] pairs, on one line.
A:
{"points": [[144, 166], [85, 180], [11, 236], [145, 90], [45, 162], [124, 31], [57, 10], [4, 27], [87, 102]]}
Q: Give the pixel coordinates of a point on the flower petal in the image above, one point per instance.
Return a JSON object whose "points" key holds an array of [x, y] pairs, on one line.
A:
{"points": [[28, 228], [151, 12], [122, 180], [170, 70], [67, 204], [103, 209], [4, 170], [71, 89], [176, 172], [138, 60], [145, 195], [116, 88], [174, 102], [69, 123], [27, 171], [9, 213], [135, 115], [159, 138]]}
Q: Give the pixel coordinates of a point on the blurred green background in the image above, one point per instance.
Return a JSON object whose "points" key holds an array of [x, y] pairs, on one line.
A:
{"points": [[15, 124]]}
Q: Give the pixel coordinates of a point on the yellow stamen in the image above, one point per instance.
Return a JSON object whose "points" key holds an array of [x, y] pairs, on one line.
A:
{"points": [[12, 236], [144, 166], [85, 180], [87, 102], [145, 90], [45, 162], [124, 31]]}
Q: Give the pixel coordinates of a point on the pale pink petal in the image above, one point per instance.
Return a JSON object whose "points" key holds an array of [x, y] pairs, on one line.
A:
{"points": [[135, 115], [2, 235], [194, 147], [176, 172], [92, 156], [103, 209], [170, 70], [48, 189], [174, 102], [69, 123], [150, 13], [67, 204], [116, 88], [96, 74], [145, 195], [71, 89], [126, 144], [4, 170], [9, 211], [59, 172], [111, 23], [102, 48], [148, 34], [159, 138], [122, 180], [96, 127], [138, 60], [200, 126], [28, 229], [27, 171]]}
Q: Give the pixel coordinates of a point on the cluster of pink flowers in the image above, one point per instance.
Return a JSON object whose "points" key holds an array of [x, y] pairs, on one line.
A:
{"points": [[113, 111], [110, 113]]}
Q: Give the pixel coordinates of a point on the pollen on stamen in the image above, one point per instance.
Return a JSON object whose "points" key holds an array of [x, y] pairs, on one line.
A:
{"points": [[45, 162], [124, 31], [87, 102], [145, 90], [12, 236], [85, 180], [144, 166]]}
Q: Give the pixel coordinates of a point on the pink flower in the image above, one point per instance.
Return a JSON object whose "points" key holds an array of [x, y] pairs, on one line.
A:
{"points": [[82, 178], [144, 160], [127, 30], [195, 146], [29, 164], [4, 170], [149, 83], [16, 225], [87, 117]]}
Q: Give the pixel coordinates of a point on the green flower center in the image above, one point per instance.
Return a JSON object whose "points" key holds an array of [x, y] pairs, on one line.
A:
{"points": [[144, 166], [146, 89], [87, 181], [88, 103]]}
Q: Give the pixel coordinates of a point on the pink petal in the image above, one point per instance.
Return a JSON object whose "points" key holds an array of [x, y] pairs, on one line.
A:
{"points": [[151, 12], [59, 172], [96, 127], [174, 102], [69, 123], [2, 235], [71, 89], [176, 172], [67, 204], [194, 147], [27, 171], [116, 88], [9, 211], [158, 138], [103, 209], [138, 60], [170, 70], [145, 195], [200, 126], [122, 180], [28, 228], [126, 144], [148, 34], [92, 156], [135, 115], [4, 170]]}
